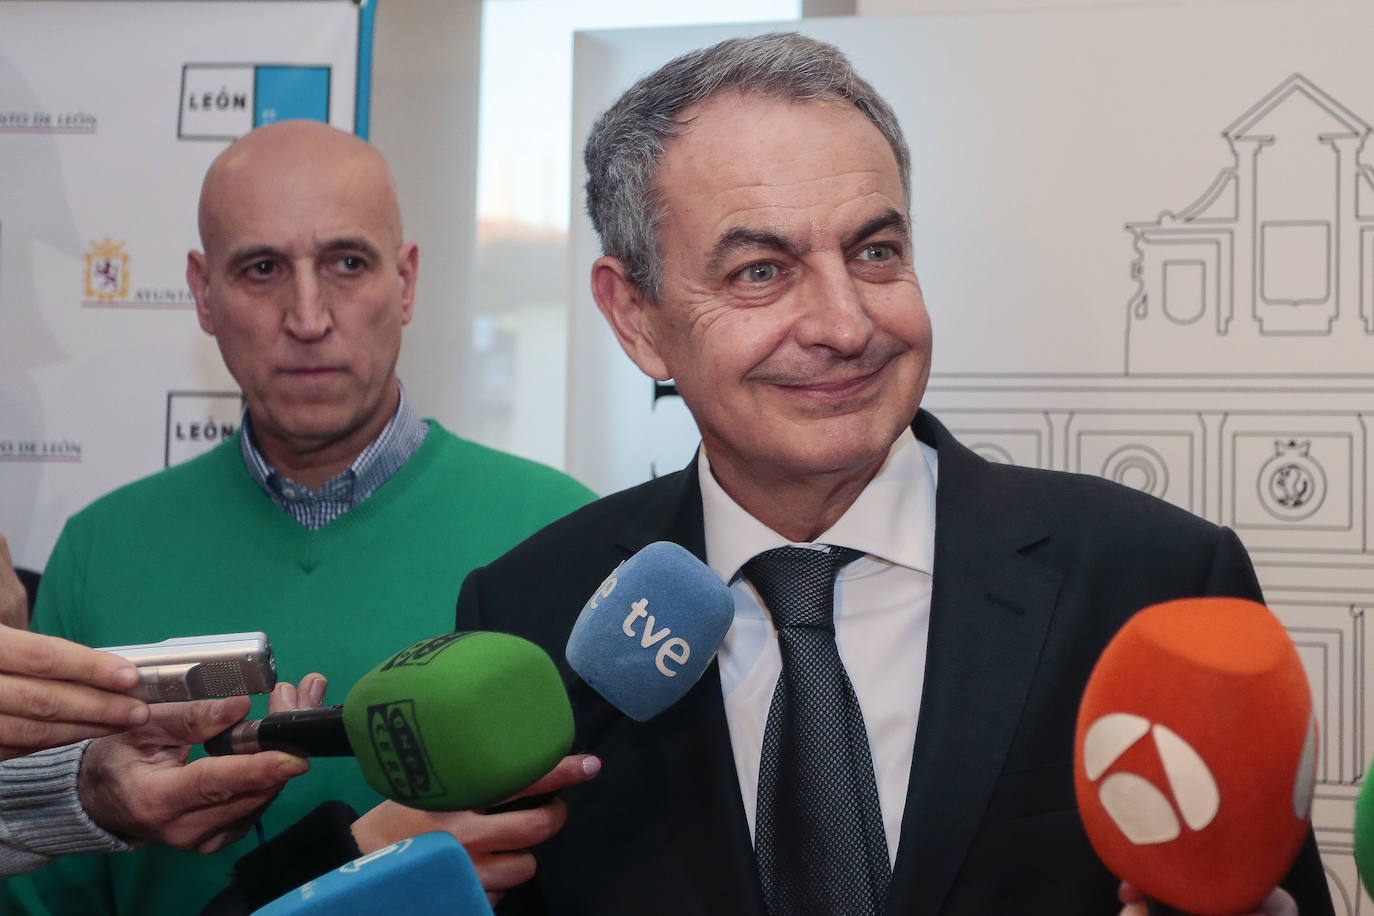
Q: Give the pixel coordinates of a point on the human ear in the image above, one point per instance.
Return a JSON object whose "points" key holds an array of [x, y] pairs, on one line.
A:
{"points": [[408, 266], [198, 279], [624, 308]]}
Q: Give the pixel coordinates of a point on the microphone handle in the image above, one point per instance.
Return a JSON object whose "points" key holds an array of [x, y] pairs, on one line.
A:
{"points": [[315, 732], [1155, 908]]}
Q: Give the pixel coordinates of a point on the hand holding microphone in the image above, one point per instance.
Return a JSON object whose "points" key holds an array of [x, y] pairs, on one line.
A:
{"points": [[1278, 903], [498, 844], [646, 635], [1195, 754], [459, 721], [139, 786], [643, 639]]}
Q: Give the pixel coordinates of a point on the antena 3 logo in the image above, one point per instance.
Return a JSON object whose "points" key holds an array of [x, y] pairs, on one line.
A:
{"points": [[1139, 808], [1141, 811], [226, 101], [395, 735]]}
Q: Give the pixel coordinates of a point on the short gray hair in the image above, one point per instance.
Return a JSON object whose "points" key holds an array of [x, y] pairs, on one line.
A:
{"points": [[627, 141]]}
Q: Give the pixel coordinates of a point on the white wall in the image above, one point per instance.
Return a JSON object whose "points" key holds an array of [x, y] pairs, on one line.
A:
{"points": [[424, 120], [104, 373]]}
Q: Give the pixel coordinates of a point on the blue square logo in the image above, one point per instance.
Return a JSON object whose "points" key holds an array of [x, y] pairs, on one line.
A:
{"points": [[281, 93]]}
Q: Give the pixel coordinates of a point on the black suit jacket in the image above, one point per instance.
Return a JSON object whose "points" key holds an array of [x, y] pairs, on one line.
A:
{"points": [[1034, 572]]}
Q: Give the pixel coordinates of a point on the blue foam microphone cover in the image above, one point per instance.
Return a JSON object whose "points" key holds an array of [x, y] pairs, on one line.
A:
{"points": [[648, 633], [429, 873]]}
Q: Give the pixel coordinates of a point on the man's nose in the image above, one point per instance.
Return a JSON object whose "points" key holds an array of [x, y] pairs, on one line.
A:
{"points": [[834, 314], [308, 316]]}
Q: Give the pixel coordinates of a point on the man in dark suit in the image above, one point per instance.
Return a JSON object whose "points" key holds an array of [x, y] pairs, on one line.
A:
{"points": [[752, 201]]}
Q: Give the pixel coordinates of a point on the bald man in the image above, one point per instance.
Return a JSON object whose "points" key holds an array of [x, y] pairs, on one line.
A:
{"points": [[305, 284], [337, 520]]}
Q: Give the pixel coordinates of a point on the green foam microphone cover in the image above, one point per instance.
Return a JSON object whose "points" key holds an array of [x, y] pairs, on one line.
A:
{"points": [[1364, 834], [459, 721]]}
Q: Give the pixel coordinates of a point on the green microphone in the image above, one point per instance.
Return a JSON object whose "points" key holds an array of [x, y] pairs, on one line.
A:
{"points": [[458, 721], [1364, 834]]}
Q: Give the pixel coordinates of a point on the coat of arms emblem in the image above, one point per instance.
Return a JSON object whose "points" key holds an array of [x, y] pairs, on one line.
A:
{"points": [[107, 271]]}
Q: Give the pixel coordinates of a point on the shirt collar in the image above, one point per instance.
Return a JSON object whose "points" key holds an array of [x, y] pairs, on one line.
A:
{"points": [[893, 519], [373, 467]]}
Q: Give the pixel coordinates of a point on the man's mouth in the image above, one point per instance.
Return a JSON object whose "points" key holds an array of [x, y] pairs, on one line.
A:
{"points": [[838, 389], [310, 373]]}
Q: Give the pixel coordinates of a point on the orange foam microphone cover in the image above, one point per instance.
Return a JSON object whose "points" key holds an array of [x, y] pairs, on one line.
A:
{"points": [[1195, 754]]}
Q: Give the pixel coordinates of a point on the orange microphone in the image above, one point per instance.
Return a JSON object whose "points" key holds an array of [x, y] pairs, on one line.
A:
{"points": [[1195, 754]]}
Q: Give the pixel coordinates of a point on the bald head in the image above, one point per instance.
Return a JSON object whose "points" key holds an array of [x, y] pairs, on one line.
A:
{"points": [[290, 156], [305, 283]]}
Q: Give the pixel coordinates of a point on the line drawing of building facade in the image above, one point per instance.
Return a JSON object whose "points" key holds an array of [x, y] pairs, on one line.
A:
{"points": [[1246, 396], [1277, 255]]}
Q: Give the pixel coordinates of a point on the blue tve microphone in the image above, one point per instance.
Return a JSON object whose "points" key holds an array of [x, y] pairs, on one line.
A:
{"points": [[429, 873], [647, 634]]}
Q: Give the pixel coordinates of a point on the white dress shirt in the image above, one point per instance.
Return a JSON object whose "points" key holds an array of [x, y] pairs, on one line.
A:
{"points": [[882, 617]]}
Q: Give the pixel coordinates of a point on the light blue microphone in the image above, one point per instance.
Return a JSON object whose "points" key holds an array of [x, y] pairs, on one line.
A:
{"points": [[429, 873], [648, 633]]}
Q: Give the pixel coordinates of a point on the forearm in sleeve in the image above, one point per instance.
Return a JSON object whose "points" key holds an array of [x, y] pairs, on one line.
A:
{"points": [[40, 811]]}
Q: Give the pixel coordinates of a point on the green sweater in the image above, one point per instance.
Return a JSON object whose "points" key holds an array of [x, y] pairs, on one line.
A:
{"points": [[200, 549]]}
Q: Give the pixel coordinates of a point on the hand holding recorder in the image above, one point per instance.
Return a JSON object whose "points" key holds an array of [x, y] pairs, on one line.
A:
{"points": [[54, 692], [139, 786], [201, 667]]}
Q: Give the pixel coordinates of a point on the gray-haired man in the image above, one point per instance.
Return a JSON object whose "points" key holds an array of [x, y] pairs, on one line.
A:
{"points": [[899, 742]]}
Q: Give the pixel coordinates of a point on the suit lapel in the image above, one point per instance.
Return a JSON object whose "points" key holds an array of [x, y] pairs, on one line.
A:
{"points": [[672, 514], [690, 745], [990, 610]]}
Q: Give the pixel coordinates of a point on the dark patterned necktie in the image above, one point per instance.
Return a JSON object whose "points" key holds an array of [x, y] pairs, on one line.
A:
{"points": [[818, 833]]}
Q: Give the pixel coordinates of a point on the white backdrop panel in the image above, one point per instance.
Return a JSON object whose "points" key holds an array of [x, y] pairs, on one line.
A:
{"points": [[109, 114]]}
